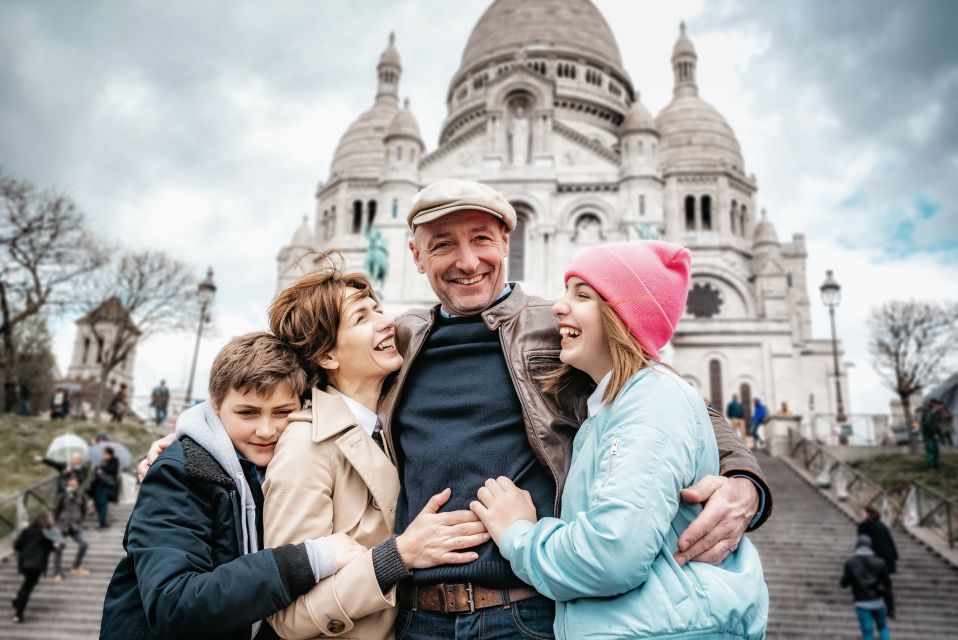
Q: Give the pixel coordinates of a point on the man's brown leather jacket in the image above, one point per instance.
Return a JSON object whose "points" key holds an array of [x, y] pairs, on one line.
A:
{"points": [[530, 343]]}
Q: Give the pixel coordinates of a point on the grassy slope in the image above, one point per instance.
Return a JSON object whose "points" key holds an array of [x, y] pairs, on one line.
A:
{"points": [[23, 438], [898, 469]]}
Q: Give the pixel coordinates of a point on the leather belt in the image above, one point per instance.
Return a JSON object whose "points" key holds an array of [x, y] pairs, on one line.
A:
{"points": [[458, 598]]}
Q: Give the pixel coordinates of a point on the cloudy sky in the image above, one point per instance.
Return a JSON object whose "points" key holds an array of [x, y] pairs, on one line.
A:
{"points": [[202, 128]]}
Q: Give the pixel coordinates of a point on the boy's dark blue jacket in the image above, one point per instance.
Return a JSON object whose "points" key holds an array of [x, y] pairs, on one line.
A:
{"points": [[184, 575]]}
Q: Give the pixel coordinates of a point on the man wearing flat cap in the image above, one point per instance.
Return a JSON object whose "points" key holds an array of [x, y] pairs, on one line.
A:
{"points": [[466, 407]]}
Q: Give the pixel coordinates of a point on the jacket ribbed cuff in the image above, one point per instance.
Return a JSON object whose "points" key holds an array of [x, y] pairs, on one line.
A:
{"points": [[294, 569], [388, 565]]}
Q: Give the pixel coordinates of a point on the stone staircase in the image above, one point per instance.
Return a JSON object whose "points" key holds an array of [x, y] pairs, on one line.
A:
{"points": [[68, 610], [804, 546]]}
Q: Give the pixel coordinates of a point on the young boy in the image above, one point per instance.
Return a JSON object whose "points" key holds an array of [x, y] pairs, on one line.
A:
{"points": [[193, 567]]}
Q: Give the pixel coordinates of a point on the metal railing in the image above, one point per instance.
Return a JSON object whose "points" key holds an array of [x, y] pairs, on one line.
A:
{"points": [[19, 508], [915, 504]]}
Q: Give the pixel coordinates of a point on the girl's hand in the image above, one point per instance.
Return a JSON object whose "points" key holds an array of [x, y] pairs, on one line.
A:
{"points": [[434, 538], [500, 504], [344, 549]]}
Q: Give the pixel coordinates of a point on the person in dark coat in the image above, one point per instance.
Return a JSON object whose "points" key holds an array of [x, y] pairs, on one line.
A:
{"points": [[930, 433], [33, 547], [69, 515], [105, 485], [882, 543], [868, 577], [77, 468]]}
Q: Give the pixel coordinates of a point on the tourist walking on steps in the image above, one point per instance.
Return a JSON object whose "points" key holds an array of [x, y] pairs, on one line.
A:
{"points": [[735, 412], [160, 401], [930, 433], [69, 514], [882, 543], [759, 413], [105, 485], [33, 547], [868, 577], [77, 468], [118, 405]]}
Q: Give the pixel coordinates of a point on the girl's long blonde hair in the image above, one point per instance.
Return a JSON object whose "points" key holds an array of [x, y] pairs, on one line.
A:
{"points": [[628, 357]]}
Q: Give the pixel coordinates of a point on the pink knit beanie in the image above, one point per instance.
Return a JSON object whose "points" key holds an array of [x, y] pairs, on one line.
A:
{"points": [[646, 282]]}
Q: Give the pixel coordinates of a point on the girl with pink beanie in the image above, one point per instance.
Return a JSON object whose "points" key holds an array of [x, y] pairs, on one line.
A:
{"points": [[608, 561]]}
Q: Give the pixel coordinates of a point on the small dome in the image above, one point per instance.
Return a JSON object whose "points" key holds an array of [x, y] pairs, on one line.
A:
{"points": [[361, 151], [693, 132], [765, 233], [683, 45], [404, 124], [390, 55], [303, 236], [638, 118]]}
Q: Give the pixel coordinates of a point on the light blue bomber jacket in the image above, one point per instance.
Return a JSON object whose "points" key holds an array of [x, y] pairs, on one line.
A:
{"points": [[608, 562]]}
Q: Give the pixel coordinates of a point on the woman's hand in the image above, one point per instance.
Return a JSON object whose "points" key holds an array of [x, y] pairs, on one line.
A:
{"points": [[344, 549], [434, 538], [500, 504]]}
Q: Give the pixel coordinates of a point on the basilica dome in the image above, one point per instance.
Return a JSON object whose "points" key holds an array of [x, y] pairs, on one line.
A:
{"points": [[360, 150], [404, 124], [569, 25], [638, 118], [694, 133]]}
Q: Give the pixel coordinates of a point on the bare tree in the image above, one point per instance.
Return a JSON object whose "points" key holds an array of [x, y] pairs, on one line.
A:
{"points": [[910, 343], [139, 295], [44, 245]]}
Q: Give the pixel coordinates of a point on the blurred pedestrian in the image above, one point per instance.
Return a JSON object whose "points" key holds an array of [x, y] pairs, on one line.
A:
{"points": [[68, 515], [160, 401], [118, 405], [759, 414], [882, 543], [105, 485], [868, 577], [10, 389], [23, 408], [33, 547], [60, 405], [784, 411], [946, 425], [77, 468], [930, 433], [735, 412]]}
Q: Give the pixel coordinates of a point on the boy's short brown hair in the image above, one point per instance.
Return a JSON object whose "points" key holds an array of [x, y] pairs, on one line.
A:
{"points": [[256, 362], [306, 314]]}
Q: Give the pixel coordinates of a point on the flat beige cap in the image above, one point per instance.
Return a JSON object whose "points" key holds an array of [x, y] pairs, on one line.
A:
{"points": [[451, 195]]}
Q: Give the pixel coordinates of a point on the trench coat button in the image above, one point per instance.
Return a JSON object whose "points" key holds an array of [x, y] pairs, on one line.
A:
{"points": [[336, 626]]}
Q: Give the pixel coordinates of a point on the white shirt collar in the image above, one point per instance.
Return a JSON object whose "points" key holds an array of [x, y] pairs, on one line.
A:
{"points": [[365, 417], [595, 400]]}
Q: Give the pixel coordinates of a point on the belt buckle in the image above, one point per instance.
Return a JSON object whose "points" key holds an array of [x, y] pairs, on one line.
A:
{"points": [[472, 602]]}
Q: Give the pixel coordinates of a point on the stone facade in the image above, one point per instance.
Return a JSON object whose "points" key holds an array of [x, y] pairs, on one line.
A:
{"points": [[543, 110]]}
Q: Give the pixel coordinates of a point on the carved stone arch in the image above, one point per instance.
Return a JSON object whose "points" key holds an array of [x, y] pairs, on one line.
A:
{"points": [[587, 204], [732, 280], [523, 80], [531, 205]]}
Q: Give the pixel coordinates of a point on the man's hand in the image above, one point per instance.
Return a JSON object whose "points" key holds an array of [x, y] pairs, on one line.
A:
{"points": [[500, 504], [730, 504], [155, 450], [344, 549], [434, 538]]}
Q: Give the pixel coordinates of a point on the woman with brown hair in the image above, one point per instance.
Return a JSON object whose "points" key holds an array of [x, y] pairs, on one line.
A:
{"points": [[329, 473]]}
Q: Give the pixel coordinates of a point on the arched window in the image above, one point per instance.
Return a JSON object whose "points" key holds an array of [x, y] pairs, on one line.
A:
{"points": [[732, 217], [641, 205], [86, 349], [99, 350], [745, 393], [743, 218], [690, 212], [395, 211], [706, 212], [588, 229], [331, 230], [715, 384], [398, 154], [357, 216], [517, 250], [370, 213]]}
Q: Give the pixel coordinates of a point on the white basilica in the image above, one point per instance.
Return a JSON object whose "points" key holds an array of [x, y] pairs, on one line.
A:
{"points": [[543, 110]]}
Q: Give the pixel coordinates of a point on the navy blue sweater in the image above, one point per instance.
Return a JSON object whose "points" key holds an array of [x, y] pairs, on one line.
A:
{"points": [[459, 423]]}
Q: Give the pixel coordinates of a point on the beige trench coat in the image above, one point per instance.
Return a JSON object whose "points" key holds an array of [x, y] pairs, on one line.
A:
{"points": [[329, 476]]}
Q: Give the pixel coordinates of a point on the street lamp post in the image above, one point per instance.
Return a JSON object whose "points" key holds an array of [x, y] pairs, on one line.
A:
{"points": [[205, 291], [831, 296]]}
